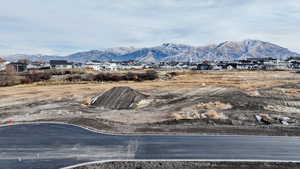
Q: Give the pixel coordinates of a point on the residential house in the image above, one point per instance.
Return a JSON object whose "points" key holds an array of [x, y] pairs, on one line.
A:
{"points": [[275, 65], [244, 65], [61, 64], [204, 66], [112, 66], [16, 67], [37, 66], [293, 58], [3, 64], [93, 66], [229, 65], [216, 67], [295, 64], [99, 66]]}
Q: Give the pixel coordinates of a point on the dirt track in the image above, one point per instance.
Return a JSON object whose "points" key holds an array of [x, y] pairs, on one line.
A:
{"points": [[187, 103]]}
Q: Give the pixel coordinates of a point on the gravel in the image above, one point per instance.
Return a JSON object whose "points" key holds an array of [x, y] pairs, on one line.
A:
{"points": [[119, 98]]}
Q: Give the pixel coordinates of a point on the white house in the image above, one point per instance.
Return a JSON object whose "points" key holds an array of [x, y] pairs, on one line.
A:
{"points": [[102, 66], [276, 65], [3, 64], [93, 65]]}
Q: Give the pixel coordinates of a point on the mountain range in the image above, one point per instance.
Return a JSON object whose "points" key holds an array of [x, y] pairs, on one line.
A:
{"points": [[168, 52]]}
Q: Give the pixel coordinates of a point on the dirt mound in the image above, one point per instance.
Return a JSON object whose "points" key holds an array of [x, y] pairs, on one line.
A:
{"points": [[213, 105], [119, 98], [238, 99], [212, 114], [209, 114]]}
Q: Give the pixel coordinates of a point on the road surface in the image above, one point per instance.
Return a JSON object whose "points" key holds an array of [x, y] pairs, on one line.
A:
{"points": [[52, 146]]}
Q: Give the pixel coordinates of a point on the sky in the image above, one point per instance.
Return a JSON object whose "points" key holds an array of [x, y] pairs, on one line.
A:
{"points": [[61, 27]]}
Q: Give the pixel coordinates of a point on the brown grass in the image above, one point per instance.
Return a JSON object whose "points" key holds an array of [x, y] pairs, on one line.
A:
{"points": [[209, 114], [186, 82], [213, 114], [213, 105]]}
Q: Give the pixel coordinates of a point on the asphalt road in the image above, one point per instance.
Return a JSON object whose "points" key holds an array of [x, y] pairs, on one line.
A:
{"points": [[52, 146]]}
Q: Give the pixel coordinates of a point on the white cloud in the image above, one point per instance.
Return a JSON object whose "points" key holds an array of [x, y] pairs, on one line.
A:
{"points": [[65, 26]]}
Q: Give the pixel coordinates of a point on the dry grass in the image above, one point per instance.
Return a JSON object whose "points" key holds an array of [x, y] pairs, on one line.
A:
{"points": [[209, 114], [186, 116], [185, 82], [212, 114], [204, 111], [241, 79], [213, 106]]}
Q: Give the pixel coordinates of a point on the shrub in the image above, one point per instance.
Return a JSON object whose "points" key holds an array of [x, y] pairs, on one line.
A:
{"points": [[131, 76], [36, 77], [172, 74], [74, 78], [108, 77], [150, 75], [88, 77], [66, 72], [9, 79], [115, 77]]}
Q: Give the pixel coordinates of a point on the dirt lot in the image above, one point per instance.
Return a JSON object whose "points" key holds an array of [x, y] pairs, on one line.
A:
{"points": [[214, 102]]}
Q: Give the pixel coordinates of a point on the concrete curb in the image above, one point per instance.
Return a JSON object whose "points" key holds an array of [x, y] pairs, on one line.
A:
{"points": [[183, 160]]}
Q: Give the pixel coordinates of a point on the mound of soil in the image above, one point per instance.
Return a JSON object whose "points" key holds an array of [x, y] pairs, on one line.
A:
{"points": [[213, 106], [238, 99], [119, 98]]}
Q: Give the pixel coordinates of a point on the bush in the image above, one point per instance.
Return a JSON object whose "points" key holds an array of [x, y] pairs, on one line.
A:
{"points": [[9, 80], [65, 72], [150, 75], [36, 77], [88, 77], [172, 74], [131, 76], [109, 77], [74, 78], [114, 77]]}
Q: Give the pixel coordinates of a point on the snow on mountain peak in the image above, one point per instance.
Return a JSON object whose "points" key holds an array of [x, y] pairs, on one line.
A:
{"points": [[228, 50]]}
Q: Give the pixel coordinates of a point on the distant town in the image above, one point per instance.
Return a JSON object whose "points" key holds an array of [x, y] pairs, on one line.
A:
{"points": [[24, 65]]}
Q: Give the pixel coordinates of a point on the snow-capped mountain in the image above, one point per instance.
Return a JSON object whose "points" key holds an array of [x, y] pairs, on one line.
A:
{"points": [[225, 51], [106, 55], [37, 57]]}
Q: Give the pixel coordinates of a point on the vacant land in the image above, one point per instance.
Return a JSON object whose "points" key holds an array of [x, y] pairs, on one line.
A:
{"points": [[214, 102], [189, 165]]}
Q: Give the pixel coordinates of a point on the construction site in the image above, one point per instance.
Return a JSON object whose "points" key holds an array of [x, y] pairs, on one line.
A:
{"points": [[192, 102]]}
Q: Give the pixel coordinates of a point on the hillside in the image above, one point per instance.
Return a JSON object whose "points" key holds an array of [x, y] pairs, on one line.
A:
{"points": [[225, 51]]}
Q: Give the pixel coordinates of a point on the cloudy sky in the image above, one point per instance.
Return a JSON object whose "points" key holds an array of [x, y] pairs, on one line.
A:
{"points": [[65, 26]]}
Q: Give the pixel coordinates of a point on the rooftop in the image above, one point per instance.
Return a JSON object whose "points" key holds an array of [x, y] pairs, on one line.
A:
{"points": [[59, 62]]}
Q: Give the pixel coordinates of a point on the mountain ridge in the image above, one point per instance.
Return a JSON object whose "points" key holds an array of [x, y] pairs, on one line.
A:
{"points": [[168, 52]]}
